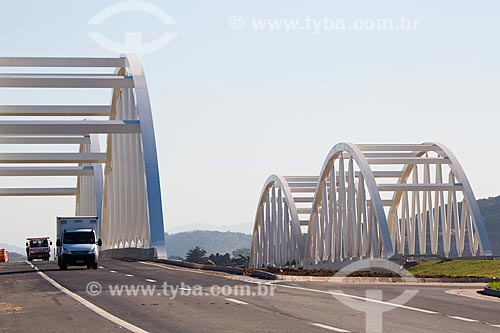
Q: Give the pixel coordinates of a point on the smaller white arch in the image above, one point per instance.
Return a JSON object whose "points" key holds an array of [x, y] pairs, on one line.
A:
{"points": [[277, 237]]}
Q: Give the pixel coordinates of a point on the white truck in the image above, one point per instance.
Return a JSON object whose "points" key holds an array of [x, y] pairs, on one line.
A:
{"points": [[77, 241]]}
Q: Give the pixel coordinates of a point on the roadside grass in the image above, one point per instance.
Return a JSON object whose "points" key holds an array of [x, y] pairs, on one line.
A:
{"points": [[457, 268], [494, 285]]}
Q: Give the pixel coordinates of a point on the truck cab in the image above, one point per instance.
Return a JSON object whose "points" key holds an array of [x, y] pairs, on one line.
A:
{"points": [[38, 248], [77, 242]]}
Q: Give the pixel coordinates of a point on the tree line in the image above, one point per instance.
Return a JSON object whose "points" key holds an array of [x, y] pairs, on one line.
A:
{"points": [[198, 255]]}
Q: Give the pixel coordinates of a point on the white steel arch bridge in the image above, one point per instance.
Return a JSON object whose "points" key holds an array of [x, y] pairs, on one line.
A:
{"points": [[120, 184], [370, 201]]}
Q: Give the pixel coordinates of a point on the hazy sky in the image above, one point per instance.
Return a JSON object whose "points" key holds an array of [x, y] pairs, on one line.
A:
{"points": [[233, 106]]}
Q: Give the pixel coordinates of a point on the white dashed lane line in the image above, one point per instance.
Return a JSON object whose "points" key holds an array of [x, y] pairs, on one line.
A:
{"points": [[330, 328], [112, 271], [101, 267], [464, 319], [237, 301], [129, 275], [151, 280]]}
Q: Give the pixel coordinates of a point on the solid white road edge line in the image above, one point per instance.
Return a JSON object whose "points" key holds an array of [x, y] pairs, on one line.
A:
{"points": [[237, 301], [90, 306], [331, 328]]}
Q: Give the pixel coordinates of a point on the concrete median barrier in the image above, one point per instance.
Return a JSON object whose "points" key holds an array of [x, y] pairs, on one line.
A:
{"points": [[263, 275], [128, 253], [224, 269]]}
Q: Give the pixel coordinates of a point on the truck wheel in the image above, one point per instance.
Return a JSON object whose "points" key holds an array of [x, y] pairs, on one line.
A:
{"points": [[89, 266], [63, 267], [94, 266]]}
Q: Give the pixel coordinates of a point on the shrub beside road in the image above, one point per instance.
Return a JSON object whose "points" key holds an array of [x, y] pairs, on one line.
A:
{"points": [[494, 285]]}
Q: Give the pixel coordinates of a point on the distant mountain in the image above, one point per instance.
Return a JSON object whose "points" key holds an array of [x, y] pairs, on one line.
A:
{"points": [[212, 241], [490, 210], [245, 228], [12, 248], [13, 256]]}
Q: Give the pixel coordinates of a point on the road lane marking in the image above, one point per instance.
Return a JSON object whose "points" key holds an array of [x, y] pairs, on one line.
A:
{"points": [[494, 325], [89, 305], [151, 280], [360, 298], [237, 301], [112, 271], [101, 267], [464, 319], [331, 328], [129, 275]]}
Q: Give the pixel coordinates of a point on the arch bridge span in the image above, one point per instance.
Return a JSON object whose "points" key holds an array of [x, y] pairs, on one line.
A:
{"points": [[120, 183], [370, 201]]}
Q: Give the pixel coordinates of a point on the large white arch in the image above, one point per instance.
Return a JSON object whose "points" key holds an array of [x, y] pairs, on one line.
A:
{"points": [[126, 195]]}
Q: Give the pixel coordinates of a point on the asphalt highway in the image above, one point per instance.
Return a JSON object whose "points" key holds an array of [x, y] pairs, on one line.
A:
{"points": [[173, 299]]}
